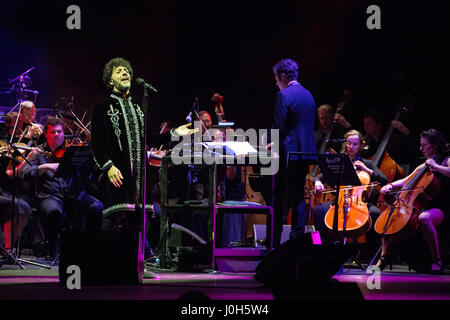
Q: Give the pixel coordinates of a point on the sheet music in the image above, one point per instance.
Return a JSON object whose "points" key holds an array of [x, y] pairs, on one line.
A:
{"points": [[238, 148]]}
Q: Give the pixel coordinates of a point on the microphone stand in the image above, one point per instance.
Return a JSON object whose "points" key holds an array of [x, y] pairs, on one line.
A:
{"points": [[142, 198]]}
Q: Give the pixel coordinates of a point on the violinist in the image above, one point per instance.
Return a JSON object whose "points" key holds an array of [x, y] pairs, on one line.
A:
{"points": [[433, 147], [73, 127], [355, 143], [22, 208], [53, 195], [10, 122], [31, 131]]}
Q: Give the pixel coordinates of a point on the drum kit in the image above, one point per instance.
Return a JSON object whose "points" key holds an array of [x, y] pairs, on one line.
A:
{"points": [[19, 87]]}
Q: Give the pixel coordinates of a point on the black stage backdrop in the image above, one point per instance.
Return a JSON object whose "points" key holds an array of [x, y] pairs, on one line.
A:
{"points": [[189, 49]]}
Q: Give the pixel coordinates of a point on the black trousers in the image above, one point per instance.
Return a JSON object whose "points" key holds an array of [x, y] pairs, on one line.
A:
{"points": [[289, 193]]}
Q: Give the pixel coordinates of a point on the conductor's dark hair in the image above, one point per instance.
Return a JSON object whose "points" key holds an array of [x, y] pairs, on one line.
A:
{"points": [[287, 66], [437, 139], [109, 67]]}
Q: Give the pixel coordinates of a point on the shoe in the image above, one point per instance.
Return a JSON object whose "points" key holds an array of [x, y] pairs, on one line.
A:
{"points": [[437, 267], [383, 262]]}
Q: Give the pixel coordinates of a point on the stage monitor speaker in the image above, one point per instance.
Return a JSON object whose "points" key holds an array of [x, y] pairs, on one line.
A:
{"points": [[104, 257], [298, 269]]}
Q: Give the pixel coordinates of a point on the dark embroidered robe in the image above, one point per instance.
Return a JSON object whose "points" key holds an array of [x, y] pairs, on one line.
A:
{"points": [[117, 128]]}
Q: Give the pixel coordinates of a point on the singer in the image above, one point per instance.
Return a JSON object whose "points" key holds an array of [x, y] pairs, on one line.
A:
{"points": [[117, 137]]}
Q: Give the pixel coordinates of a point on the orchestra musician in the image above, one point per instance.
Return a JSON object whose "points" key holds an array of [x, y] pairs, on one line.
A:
{"points": [[54, 198], [31, 131], [435, 212], [23, 191], [325, 116], [116, 142], [22, 208], [401, 141], [355, 143], [10, 122]]}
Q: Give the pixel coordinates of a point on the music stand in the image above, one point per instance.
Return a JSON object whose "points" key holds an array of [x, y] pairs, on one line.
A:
{"points": [[78, 164]]}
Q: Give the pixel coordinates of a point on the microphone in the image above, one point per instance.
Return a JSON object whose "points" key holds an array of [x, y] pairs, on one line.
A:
{"points": [[141, 82], [189, 117], [337, 140]]}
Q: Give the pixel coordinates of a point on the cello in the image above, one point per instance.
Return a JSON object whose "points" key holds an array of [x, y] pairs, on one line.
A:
{"points": [[313, 198], [353, 215], [403, 211]]}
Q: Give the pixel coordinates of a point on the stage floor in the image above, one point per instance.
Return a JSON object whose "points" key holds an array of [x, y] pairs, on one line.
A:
{"points": [[37, 283]]}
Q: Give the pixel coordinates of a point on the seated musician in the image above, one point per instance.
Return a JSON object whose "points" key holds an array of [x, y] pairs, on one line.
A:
{"points": [[400, 144], [31, 131], [325, 114], [53, 195], [23, 190], [352, 147], [22, 208], [433, 147], [10, 122]]}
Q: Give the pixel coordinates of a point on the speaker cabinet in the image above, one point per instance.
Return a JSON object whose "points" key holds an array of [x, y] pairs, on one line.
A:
{"points": [[104, 257], [298, 269]]}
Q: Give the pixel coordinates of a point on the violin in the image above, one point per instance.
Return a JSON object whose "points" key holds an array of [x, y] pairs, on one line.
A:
{"points": [[59, 153], [6, 150], [155, 156], [353, 215], [403, 211]]}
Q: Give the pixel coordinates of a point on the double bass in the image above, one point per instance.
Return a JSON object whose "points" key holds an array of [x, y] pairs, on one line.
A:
{"points": [[403, 211], [383, 160]]}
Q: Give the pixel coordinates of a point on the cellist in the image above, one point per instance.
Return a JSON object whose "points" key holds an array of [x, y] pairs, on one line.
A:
{"points": [[352, 147], [433, 147]]}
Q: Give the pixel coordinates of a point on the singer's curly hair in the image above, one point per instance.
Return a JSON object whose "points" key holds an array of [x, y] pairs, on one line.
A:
{"points": [[109, 67]]}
